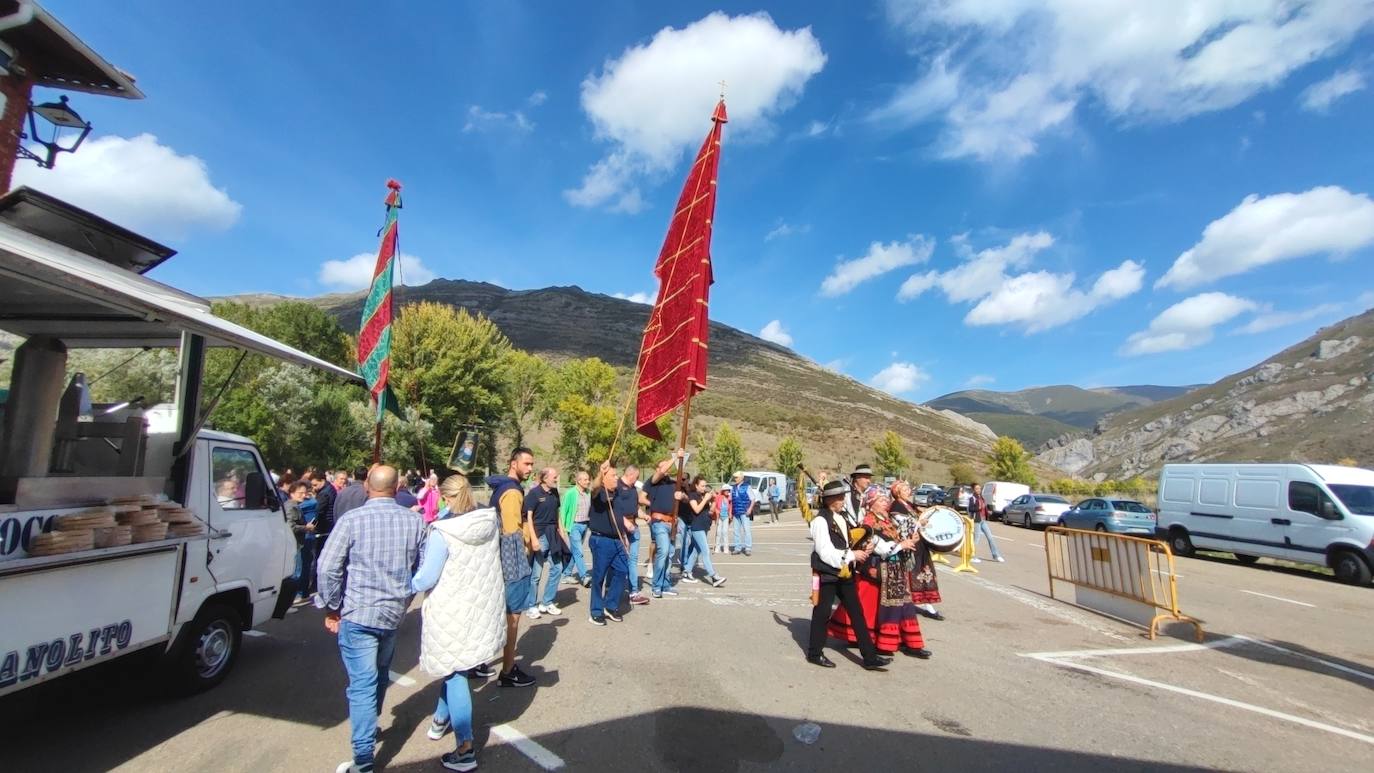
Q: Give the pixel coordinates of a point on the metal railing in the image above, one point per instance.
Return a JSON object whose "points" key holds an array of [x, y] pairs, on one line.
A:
{"points": [[1134, 569]]}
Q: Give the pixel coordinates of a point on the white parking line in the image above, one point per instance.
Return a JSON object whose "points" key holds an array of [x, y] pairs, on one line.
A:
{"points": [[254, 634], [1314, 659], [1279, 598], [401, 679], [523, 744], [1229, 641], [1213, 698]]}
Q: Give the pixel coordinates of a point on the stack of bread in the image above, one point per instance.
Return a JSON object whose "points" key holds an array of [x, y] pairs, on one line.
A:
{"points": [[180, 521]]}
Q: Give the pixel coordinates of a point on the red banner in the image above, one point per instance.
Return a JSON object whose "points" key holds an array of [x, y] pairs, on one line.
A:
{"points": [[672, 356]]}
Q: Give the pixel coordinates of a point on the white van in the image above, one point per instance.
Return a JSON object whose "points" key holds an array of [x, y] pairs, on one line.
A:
{"points": [[760, 482], [1000, 493], [1312, 513]]}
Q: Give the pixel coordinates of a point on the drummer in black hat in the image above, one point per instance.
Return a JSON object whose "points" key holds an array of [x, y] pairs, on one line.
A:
{"points": [[861, 478], [832, 562]]}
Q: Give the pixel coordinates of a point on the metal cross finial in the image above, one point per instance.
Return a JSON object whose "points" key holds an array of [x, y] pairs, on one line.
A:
{"points": [[722, 89]]}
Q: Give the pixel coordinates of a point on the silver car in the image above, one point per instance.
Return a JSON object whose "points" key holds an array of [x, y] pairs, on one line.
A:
{"points": [[1035, 509]]}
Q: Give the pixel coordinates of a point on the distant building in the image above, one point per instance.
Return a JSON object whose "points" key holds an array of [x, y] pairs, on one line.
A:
{"points": [[37, 50]]}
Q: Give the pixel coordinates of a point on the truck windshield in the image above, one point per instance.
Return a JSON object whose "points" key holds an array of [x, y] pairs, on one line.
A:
{"points": [[1357, 499]]}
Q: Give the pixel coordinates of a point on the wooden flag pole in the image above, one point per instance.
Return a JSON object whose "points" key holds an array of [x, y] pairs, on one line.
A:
{"points": [[377, 444]]}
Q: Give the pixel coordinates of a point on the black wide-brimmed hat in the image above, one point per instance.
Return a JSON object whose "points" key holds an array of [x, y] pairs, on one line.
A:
{"points": [[862, 470], [834, 488]]}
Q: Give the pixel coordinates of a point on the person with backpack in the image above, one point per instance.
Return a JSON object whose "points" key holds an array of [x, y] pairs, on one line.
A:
{"points": [[518, 542]]}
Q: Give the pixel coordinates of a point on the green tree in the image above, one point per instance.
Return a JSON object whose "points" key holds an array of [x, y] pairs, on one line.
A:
{"points": [[452, 367], [528, 383], [724, 455], [788, 457], [891, 459], [116, 375], [1009, 461], [961, 473], [297, 324], [587, 409]]}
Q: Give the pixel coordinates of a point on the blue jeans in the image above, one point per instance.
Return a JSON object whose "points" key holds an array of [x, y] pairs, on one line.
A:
{"points": [[663, 554], [982, 528], [608, 574], [697, 547], [537, 563], [305, 567], [577, 536], [744, 532], [367, 659], [632, 576], [455, 707], [680, 543], [723, 533]]}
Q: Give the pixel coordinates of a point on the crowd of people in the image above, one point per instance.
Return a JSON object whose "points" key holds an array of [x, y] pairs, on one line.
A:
{"points": [[382, 536]]}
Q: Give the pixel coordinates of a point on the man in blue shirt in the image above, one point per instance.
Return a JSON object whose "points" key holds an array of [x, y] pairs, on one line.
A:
{"points": [[742, 505], [541, 506], [625, 503], [364, 581], [662, 490], [774, 502], [609, 562]]}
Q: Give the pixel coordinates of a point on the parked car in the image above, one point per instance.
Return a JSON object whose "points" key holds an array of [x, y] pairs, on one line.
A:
{"points": [[1119, 516], [939, 496], [921, 496], [1315, 513], [1035, 510], [959, 496], [999, 494]]}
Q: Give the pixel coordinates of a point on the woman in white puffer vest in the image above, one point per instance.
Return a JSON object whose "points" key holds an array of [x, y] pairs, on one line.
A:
{"points": [[464, 625]]}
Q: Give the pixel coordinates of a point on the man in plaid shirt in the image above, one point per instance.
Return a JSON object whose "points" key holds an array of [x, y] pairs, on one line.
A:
{"points": [[364, 588]]}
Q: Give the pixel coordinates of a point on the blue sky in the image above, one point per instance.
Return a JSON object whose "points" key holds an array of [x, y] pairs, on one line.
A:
{"points": [[925, 196]]}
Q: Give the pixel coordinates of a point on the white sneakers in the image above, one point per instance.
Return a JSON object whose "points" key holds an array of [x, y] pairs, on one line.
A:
{"points": [[533, 613], [550, 609]]}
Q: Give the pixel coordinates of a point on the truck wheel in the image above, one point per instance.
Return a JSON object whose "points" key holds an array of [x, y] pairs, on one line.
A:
{"points": [[1350, 568], [208, 652], [1245, 559], [1179, 542]]}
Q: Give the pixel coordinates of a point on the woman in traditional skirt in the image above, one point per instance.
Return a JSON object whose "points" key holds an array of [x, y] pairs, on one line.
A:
{"points": [[884, 585], [925, 586]]}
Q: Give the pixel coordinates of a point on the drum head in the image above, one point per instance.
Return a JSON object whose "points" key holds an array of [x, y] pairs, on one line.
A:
{"points": [[944, 529]]}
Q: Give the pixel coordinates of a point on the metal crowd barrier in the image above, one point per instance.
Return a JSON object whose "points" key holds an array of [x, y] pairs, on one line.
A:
{"points": [[1127, 577]]}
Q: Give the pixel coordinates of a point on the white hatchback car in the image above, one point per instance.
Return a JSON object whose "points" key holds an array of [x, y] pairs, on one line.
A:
{"points": [[1035, 509]]}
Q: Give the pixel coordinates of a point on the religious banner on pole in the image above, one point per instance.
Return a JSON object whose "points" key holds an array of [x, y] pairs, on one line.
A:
{"points": [[672, 356], [374, 332]]}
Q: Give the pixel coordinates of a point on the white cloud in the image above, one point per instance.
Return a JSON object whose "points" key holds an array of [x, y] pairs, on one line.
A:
{"points": [[817, 129], [1187, 324], [355, 273], [645, 298], [137, 183], [537, 98], [979, 380], [654, 101], [1039, 300], [1272, 320], [1266, 230], [899, 378], [880, 259], [836, 366], [1318, 97], [1000, 74], [775, 332], [480, 119], [782, 230]]}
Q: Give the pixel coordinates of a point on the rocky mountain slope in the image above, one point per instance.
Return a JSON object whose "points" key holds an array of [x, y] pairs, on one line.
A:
{"points": [[1037, 415], [1312, 402], [763, 390]]}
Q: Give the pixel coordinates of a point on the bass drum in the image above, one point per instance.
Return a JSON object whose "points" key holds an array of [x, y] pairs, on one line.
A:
{"points": [[944, 529]]}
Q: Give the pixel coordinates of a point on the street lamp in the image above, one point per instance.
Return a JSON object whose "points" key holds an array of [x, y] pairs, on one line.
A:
{"points": [[62, 118]]}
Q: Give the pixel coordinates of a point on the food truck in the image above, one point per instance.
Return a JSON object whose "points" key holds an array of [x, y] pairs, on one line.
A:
{"points": [[123, 528]]}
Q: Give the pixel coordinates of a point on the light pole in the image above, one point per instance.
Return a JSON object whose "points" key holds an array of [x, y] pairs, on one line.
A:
{"points": [[64, 121]]}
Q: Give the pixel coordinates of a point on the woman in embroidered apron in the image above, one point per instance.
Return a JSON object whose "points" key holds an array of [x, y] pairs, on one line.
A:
{"points": [[925, 586], [885, 584]]}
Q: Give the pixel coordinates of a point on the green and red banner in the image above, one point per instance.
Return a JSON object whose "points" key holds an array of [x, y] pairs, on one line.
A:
{"points": [[672, 356], [374, 333]]}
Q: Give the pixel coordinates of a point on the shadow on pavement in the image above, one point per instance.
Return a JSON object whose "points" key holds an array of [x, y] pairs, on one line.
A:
{"points": [[1261, 654], [713, 741]]}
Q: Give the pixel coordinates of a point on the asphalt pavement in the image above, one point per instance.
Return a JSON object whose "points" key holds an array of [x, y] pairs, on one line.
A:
{"points": [[714, 680]]}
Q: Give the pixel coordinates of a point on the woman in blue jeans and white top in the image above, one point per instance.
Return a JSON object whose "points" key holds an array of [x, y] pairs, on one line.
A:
{"points": [[463, 623]]}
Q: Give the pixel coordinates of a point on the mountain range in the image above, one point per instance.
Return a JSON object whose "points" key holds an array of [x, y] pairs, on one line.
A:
{"points": [[1312, 402], [765, 391], [1039, 414]]}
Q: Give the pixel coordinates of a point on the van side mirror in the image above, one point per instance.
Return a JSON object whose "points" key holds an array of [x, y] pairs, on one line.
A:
{"points": [[1328, 510], [255, 493]]}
